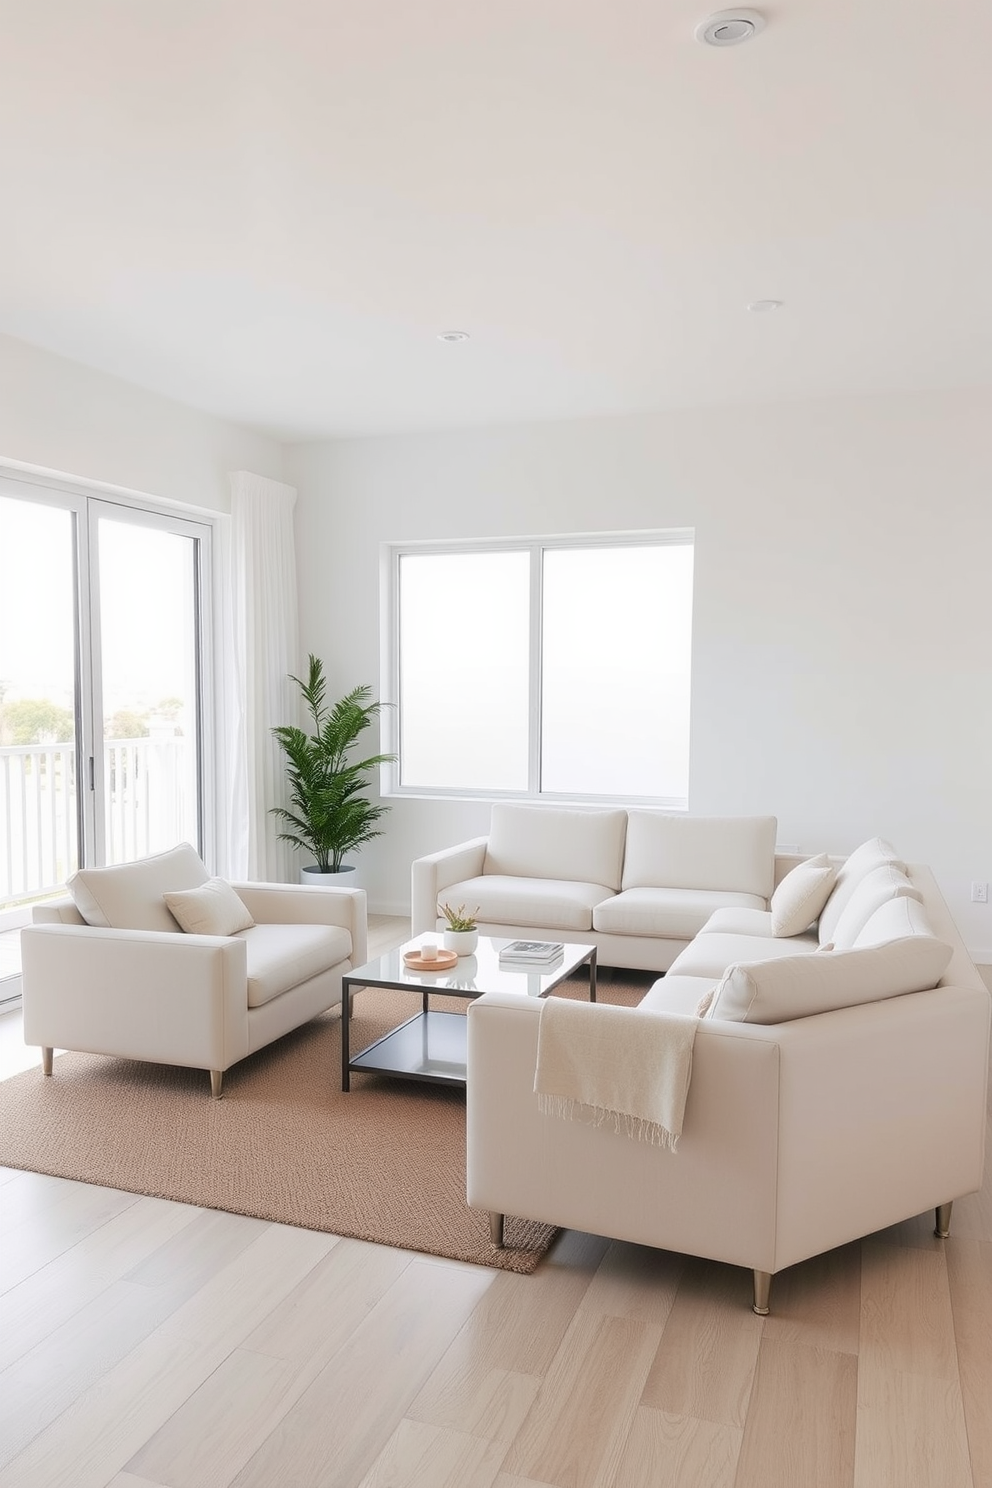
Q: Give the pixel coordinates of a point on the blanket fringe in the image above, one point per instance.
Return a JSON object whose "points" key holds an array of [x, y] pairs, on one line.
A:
{"points": [[635, 1127]]}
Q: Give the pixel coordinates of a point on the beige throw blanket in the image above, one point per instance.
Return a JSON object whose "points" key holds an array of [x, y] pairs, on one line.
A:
{"points": [[615, 1066]]}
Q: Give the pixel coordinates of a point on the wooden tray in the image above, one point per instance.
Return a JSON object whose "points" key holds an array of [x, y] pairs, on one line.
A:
{"points": [[443, 961]]}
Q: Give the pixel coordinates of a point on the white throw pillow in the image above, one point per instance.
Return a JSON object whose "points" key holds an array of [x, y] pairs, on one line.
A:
{"points": [[798, 986], [212, 909], [803, 892]]}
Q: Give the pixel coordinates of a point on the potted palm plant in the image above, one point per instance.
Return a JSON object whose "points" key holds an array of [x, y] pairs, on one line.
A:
{"points": [[330, 813]]}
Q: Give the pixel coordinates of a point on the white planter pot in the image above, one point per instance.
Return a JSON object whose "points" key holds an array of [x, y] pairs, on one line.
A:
{"points": [[462, 942], [343, 878]]}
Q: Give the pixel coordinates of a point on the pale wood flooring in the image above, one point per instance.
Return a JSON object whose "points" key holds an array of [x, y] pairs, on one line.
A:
{"points": [[146, 1344]]}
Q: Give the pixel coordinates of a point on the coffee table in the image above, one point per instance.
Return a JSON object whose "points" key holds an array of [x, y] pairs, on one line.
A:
{"points": [[431, 1046]]}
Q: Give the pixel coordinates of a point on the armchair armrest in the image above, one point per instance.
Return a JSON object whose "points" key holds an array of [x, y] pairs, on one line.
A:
{"points": [[299, 904], [430, 875], [137, 994]]}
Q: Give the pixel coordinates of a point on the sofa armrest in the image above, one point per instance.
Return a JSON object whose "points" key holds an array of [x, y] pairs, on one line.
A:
{"points": [[299, 904], [138, 994], [431, 875]]}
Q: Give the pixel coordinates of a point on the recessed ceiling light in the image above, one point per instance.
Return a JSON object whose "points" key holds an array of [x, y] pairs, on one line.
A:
{"points": [[729, 27], [760, 306], [452, 336]]}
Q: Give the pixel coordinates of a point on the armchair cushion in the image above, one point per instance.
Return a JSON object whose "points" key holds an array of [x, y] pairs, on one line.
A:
{"points": [[129, 896], [283, 956], [212, 909]]}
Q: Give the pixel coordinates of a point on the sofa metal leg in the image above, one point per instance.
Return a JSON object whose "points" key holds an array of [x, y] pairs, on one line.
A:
{"points": [[216, 1081], [942, 1228], [762, 1289], [47, 1057], [496, 1229]]}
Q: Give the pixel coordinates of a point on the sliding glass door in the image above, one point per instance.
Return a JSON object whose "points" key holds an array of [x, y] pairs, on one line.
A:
{"points": [[102, 678]]}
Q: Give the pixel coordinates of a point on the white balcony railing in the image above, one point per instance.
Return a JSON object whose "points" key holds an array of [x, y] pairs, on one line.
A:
{"points": [[148, 805]]}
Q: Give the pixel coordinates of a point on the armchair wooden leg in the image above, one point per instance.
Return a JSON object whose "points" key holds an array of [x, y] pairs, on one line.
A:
{"points": [[496, 1229], [47, 1057], [216, 1081], [762, 1289], [942, 1228]]}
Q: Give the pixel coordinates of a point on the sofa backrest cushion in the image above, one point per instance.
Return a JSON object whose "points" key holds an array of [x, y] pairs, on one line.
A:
{"points": [[878, 886], [894, 920], [822, 981], [796, 902], [733, 853], [869, 855], [553, 842], [128, 896]]}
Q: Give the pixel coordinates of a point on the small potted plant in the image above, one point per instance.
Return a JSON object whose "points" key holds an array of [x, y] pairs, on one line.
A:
{"points": [[461, 933]]}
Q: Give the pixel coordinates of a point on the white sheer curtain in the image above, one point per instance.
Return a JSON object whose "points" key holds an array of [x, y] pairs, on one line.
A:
{"points": [[260, 646]]}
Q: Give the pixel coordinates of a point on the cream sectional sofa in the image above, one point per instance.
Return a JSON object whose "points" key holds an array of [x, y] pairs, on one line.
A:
{"points": [[637, 884], [839, 1084]]}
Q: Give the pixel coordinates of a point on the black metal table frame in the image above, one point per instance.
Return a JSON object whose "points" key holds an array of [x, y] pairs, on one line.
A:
{"points": [[352, 980]]}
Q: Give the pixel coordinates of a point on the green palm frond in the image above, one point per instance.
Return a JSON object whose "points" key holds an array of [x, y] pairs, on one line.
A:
{"points": [[329, 813]]}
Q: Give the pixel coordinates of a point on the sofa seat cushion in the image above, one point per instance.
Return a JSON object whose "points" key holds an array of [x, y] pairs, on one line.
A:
{"points": [[505, 899], [282, 956], [677, 994], [800, 986], [710, 955], [671, 914], [555, 843], [128, 896], [734, 921], [735, 853]]}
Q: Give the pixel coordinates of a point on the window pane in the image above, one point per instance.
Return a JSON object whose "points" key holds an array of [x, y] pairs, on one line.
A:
{"points": [[38, 808], [149, 662], [615, 681], [464, 670]]}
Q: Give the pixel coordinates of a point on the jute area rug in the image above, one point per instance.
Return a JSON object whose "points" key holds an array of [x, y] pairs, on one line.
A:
{"points": [[384, 1163]]}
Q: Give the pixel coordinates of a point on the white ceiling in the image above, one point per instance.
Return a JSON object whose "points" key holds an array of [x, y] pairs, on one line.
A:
{"points": [[269, 209]]}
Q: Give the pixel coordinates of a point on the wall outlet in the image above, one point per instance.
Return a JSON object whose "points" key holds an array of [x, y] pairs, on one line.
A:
{"points": [[979, 893]]}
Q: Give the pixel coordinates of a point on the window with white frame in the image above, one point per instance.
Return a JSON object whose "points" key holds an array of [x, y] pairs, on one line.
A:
{"points": [[542, 667]]}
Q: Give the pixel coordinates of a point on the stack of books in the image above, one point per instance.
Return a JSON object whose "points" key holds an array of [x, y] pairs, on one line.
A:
{"points": [[539, 955]]}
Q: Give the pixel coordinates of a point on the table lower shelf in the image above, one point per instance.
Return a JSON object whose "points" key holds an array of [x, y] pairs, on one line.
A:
{"points": [[430, 1047]]}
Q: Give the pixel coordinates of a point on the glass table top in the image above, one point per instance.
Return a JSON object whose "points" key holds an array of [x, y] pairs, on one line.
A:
{"points": [[471, 975]]}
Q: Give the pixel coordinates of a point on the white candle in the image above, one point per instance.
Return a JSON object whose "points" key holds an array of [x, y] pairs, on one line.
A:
{"points": [[428, 950]]}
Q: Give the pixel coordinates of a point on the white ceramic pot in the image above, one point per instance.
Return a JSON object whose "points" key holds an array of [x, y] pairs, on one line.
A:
{"points": [[342, 878], [462, 942]]}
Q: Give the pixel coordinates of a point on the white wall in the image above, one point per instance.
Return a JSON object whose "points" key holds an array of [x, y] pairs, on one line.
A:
{"points": [[62, 416], [841, 673]]}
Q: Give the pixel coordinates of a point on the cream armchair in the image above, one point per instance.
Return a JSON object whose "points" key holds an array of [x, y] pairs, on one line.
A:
{"points": [[145, 990]]}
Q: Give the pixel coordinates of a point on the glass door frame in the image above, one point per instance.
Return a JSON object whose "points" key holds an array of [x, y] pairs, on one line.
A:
{"points": [[87, 505]]}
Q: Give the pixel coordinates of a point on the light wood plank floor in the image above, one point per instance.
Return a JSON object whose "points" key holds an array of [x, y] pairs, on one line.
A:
{"points": [[146, 1344]]}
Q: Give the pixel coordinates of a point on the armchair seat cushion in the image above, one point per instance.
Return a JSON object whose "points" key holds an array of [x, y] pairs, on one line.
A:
{"points": [[675, 914], [283, 956], [710, 955], [504, 899]]}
